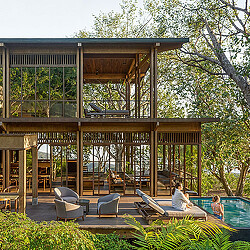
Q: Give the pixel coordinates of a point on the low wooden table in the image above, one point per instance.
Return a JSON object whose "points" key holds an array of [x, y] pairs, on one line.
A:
{"points": [[84, 202], [12, 197]]}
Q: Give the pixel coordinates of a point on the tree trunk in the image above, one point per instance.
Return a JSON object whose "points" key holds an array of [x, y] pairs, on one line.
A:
{"points": [[225, 183], [241, 181], [228, 67]]}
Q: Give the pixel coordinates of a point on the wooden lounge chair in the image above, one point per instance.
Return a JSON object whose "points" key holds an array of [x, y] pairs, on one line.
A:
{"points": [[101, 113], [151, 210]]}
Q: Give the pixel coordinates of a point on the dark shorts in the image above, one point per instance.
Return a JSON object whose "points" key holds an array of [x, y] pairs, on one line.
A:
{"points": [[218, 216]]}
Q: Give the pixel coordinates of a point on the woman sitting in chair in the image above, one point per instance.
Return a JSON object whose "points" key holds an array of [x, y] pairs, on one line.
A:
{"points": [[180, 201]]}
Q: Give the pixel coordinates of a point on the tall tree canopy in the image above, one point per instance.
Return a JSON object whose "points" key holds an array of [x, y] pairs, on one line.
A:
{"points": [[209, 76]]}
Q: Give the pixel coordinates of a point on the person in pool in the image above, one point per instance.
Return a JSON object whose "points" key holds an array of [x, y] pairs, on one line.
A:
{"points": [[180, 200], [217, 207]]}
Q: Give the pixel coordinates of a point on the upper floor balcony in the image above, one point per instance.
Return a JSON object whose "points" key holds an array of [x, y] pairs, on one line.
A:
{"points": [[77, 78]]}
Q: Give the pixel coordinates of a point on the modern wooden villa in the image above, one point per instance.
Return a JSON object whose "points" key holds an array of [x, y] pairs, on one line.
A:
{"points": [[93, 104]]}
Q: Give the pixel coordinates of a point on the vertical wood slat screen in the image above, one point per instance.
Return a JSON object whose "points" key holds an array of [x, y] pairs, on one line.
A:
{"points": [[179, 138], [42, 60], [47, 138], [116, 138]]}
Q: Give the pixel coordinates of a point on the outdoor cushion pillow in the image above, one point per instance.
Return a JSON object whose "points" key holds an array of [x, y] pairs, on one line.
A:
{"points": [[69, 199]]}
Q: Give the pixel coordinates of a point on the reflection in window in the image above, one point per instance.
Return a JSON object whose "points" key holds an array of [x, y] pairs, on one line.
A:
{"points": [[43, 91]]}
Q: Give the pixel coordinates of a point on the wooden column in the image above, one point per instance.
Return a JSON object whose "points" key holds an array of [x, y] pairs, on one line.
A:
{"points": [[151, 163], [184, 168], [169, 167], [164, 156], [155, 83], [136, 85], [7, 88], [81, 82], [79, 174], [22, 181], [7, 168], [4, 82], [152, 83], [51, 167], [155, 163], [4, 169], [199, 169], [34, 176]]}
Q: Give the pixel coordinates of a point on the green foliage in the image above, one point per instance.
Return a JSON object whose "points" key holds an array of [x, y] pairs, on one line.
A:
{"points": [[110, 241], [183, 234], [19, 232]]}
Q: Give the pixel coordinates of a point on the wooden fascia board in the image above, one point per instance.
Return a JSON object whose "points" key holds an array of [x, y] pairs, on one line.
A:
{"points": [[17, 142], [104, 76]]}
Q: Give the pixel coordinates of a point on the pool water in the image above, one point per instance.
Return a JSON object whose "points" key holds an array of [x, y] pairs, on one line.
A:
{"points": [[236, 210]]}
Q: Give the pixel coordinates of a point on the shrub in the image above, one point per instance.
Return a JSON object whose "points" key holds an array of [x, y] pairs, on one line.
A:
{"points": [[111, 241], [184, 234], [19, 232]]}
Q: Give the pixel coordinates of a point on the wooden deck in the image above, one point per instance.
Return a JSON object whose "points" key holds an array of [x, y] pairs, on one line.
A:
{"points": [[45, 211]]}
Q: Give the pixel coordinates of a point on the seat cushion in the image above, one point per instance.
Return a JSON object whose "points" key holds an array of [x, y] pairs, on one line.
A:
{"points": [[194, 212], [69, 199]]}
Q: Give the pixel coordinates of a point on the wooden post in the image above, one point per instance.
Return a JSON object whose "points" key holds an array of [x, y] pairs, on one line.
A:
{"points": [[155, 83], [34, 176], [155, 163], [79, 173], [152, 163], [199, 169], [51, 168], [136, 86], [7, 168], [7, 89], [164, 156], [151, 83], [4, 82], [4, 169], [174, 158], [22, 181], [170, 167], [184, 166], [191, 169], [81, 83]]}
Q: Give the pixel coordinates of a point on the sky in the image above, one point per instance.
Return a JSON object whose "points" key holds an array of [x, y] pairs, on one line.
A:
{"points": [[50, 18]]}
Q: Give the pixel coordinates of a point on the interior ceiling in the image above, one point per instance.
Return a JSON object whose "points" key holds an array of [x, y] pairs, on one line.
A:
{"points": [[111, 67]]}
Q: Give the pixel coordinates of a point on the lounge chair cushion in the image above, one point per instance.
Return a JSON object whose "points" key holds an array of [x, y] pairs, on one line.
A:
{"points": [[164, 202], [194, 211], [139, 192], [149, 201]]}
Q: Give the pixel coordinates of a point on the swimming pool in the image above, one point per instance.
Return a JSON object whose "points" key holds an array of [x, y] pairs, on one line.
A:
{"points": [[237, 210]]}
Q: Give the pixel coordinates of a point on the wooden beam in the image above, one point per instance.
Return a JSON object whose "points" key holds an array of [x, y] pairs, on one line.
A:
{"points": [[51, 168], [4, 168], [141, 64], [152, 163], [105, 76], [34, 176], [81, 82], [22, 181], [4, 82], [108, 56], [78, 102]]}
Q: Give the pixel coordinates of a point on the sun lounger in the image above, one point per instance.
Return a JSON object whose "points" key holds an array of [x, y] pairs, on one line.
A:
{"points": [[101, 113], [151, 210]]}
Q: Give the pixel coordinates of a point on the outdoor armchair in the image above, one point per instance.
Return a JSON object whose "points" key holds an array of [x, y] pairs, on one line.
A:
{"points": [[65, 210], [66, 194], [108, 204]]}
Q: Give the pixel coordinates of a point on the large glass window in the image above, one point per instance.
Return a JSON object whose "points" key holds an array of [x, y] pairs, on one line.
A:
{"points": [[43, 92]]}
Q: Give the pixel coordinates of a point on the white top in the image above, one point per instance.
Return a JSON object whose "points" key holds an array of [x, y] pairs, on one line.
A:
{"points": [[180, 201]]}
